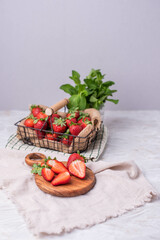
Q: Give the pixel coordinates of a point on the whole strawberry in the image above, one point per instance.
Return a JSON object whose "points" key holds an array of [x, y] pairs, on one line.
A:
{"points": [[75, 129], [74, 112], [41, 115], [40, 124], [84, 122], [59, 125], [29, 122], [70, 119], [35, 109], [52, 118], [51, 136]]}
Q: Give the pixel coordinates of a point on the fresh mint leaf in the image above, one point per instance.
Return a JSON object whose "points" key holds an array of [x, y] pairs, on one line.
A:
{"points": [[68, 89], [93, 99], [113, 100], [77, 101], [90, 83], [108, 84], [75, 77]]}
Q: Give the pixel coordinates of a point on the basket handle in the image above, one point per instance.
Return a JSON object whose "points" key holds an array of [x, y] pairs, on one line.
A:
{"points": [[56, 107]]}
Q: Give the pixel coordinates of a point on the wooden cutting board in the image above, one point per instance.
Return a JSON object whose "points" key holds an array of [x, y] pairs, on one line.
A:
{"points": [[75, 187]]}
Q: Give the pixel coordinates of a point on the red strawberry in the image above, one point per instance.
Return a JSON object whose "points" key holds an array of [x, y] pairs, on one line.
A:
{"points": [[84, 122], [61, 178], [52, 118], [29, 122], [51, 136], [73, 114], [78, 169], [42, 164], [75, 129], [39, 124], [50, 162], [73, 157], [84, 119], [69, 121], [67, 140], [35, 109], [47, 174], [57, 166], [59, 125], [41, 115]]}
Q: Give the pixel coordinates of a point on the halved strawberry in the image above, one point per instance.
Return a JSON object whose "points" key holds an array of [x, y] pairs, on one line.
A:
{"points": [[78, 169], [73, 157], [56, 166], [61, 178], [47, 174]]}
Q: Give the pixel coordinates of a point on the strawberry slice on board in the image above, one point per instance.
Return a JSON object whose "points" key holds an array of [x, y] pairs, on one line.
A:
{"points": [[56, 166], [61, 178], [73, 157], [47, 174], [78, 169]]}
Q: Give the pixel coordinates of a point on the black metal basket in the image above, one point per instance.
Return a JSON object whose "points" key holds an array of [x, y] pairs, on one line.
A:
{"points": [[37, 138]]}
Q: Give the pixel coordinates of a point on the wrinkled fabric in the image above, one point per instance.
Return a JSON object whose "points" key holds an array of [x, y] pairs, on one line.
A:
{"points": [[120, 187]]}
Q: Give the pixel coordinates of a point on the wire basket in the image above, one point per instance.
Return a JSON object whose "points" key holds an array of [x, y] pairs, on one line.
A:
{"points": [[81, 142]]}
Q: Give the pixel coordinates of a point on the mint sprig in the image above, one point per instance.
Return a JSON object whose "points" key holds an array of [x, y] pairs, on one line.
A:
{"points": [[93, 93]]}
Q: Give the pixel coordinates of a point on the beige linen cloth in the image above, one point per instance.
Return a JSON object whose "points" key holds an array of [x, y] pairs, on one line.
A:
{"points": [[120, 187]]}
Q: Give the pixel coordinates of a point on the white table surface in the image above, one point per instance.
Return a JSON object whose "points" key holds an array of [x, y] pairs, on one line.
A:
{"points": [[133, 135]]}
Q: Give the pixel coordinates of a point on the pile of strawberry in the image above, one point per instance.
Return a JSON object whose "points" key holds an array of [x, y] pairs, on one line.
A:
{"points": [[57, 128], [55, 172]]}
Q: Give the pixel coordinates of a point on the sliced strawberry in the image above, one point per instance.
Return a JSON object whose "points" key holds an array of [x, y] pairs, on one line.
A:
{"points": [[42, 164], [61, 178], [78, 169], [57, 166], [35, 109], [50, 162], [73, 157], [47, 174]]}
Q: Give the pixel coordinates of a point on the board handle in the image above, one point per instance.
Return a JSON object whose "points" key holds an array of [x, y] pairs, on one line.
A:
{"points": [[54, 108]]}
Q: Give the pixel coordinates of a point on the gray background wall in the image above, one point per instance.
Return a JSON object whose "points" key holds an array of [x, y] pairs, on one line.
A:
{"points": [[41, 41]]}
